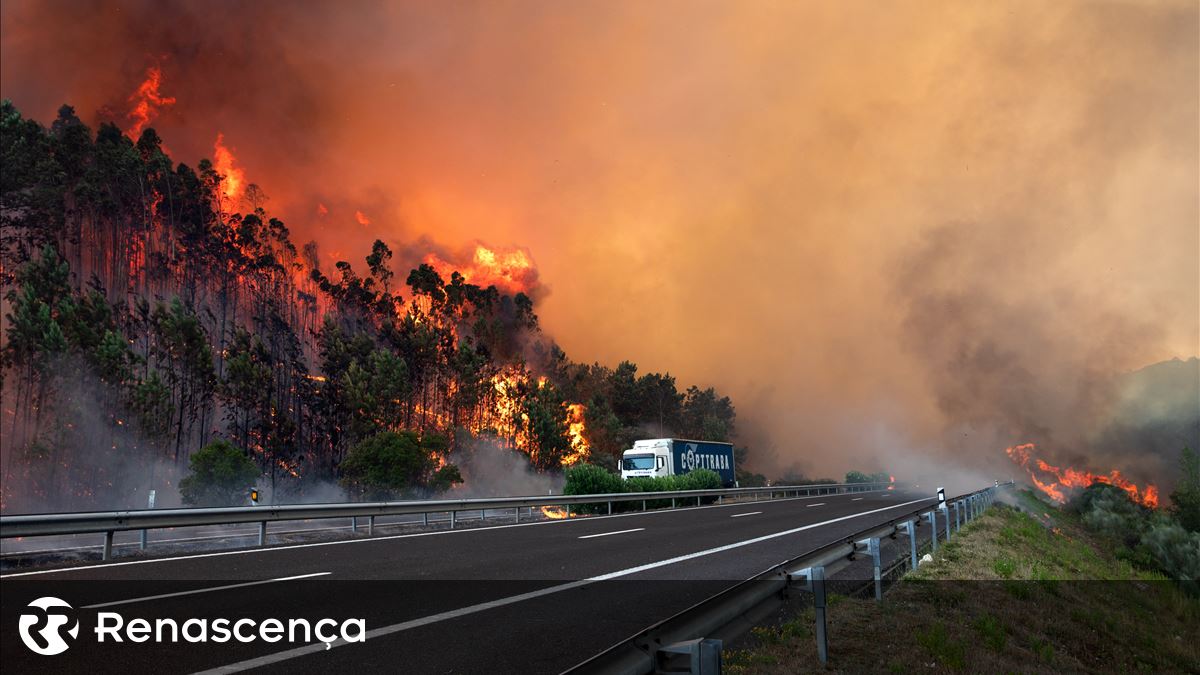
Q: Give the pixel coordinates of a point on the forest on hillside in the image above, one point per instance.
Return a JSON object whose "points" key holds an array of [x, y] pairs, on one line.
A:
{"points": [[151, 309]]}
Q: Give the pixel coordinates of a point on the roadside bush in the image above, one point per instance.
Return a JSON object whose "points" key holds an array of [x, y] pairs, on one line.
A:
{"points": [[220, 475], [1152, 539], [588, 479], [701, 479]]}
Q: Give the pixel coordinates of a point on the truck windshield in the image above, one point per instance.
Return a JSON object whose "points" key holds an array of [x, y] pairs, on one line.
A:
{"points": [[632, 462]]}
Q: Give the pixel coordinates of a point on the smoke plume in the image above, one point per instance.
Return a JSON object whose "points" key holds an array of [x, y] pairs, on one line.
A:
{"points": [[889, 231]]}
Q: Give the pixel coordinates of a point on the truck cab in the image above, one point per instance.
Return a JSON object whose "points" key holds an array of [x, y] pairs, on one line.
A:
{"points": [[648, 458]]}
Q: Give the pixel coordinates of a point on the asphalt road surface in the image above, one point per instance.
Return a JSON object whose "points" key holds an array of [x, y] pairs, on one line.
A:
{"points": [[529, 598]]}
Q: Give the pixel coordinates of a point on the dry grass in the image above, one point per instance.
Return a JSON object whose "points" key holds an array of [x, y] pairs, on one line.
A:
{"points": [[1014, 593]]}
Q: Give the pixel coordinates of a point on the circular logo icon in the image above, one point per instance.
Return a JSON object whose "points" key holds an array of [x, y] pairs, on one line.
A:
{"points": [[691, 458], [42, 626]]}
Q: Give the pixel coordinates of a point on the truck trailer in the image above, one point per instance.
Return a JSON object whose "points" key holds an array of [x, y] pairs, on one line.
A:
{"points": [[676, 457]]}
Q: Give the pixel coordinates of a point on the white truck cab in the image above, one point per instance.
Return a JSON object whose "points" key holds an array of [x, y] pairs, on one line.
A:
{"points": [[648, 458]]}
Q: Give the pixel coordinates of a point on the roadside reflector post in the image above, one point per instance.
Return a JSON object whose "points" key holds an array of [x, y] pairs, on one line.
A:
{"points": [[933, 528], [262, 533], [941, 495], [108, 538], [149, 505]]}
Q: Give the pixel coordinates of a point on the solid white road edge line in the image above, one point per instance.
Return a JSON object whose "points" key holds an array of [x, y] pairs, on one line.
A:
{"points": [[605, 534], [483, 606], [204, 590], [739, 515]]}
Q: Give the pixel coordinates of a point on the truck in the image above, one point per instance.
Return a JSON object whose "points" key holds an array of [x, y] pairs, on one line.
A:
{"points": [[676, 457]]}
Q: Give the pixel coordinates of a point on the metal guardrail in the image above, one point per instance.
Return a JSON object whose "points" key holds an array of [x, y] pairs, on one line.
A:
{"points": [[686, 631], [108, 522]]}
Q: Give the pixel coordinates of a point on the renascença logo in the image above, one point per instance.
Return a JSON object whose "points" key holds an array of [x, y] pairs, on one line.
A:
{"points": [[41, 630]]}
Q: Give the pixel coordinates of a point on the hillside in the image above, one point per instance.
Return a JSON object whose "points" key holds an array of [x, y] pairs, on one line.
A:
{"points": [[1025, 588]]}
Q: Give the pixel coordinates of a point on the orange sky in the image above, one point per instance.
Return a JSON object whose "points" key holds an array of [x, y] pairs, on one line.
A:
{"points": [[837, 213]]}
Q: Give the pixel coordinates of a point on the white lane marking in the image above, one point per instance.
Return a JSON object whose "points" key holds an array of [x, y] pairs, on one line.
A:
{"points": [[856, 499], [817, 504], [739, 515], [204, 590], [340, 542], [605, 534], [463, 611]]}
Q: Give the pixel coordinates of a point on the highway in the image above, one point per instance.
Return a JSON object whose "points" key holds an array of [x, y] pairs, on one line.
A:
{"points": [[529, 598]]}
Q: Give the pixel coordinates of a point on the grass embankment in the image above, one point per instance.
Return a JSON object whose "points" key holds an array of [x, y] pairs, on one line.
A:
{"points": [[1019, 591]]}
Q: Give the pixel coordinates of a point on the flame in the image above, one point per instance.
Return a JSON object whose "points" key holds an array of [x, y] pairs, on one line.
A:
{"points": [[891, 479], [511, 271], [322, 210], [1075, 478], [147, 102], [575, 429], [224, 162], [555, 513], [362, 218]]}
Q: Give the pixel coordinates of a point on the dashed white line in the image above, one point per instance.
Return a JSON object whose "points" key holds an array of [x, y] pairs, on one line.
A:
{"points": [[204, 590], [817, 504], [278, 657], [856, 499], [605, 534], [739, 515]]}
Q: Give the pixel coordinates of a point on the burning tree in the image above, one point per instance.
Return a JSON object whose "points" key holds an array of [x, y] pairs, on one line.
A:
{"points": [[151, 308]]}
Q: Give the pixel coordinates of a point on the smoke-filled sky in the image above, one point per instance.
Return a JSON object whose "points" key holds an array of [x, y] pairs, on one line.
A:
{"points": [[882, 227]]}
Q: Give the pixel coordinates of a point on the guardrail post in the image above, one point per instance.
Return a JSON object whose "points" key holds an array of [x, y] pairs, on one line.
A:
{"points": [[518, 510], [947, 524], [957, 513], [262, 533], [873, 549], [933, 528], [107, 552], [425, 519], [370, 526], [912, 541], [817, 576], [610, 508], [482, 515], [354, 524], [672, 502], [643, 504], [143, 541], [452, 517]]}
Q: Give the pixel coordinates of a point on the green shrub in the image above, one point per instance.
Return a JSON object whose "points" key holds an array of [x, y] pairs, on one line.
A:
{"points": [[588, 479], [220, 475], [391, 464]]}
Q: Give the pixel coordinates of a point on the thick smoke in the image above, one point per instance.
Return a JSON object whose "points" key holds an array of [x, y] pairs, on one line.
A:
{"points": [[908, 231]]}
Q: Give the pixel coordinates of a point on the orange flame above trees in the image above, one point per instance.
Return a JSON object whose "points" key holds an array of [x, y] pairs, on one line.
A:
{"points": [[511, 271], [1075, 478], [226, 165], [147, 102]]}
